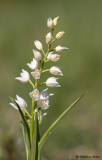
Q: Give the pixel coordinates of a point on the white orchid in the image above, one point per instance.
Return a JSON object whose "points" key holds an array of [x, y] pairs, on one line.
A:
{"points": [[37, 55], [55, 20], [56, 70], [60, 34], [38, 45], [60, 48], [34, 94], [24, 76], [50, 23], [36, 74], [48, 38], [53, 57], [40, 99], [52, 82], [21, 102], [44, 95], [43, 104], [33, 64]]}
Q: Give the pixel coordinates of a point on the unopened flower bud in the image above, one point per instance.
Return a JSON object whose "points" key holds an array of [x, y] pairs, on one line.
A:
{"points": [[52, 82], [38, 45], [48, 38], [60, 48], [60, 34], [53, 57], [55, 20], [56, 70], [37, 55], [50, 23]]}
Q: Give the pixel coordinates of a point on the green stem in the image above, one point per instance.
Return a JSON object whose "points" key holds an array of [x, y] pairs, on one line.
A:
{"points": [[49, 46], [43, 52], [53, 40], [32, 122], [36, 83], [31, 83], [52, 31], [27, 113], [46, 70], [47, 60], [42, 83], [39, 155]]}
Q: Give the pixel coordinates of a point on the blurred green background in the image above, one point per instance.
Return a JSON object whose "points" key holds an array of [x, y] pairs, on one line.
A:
{"points": [[22, 22]]}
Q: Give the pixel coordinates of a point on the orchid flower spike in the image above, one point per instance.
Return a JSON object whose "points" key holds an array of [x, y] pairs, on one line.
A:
{"points": [[24, 76], [21, 102]]}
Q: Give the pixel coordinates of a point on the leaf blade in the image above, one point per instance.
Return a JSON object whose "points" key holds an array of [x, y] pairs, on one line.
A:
{"points": [[23, 119], [34, 147], [51, 128]]}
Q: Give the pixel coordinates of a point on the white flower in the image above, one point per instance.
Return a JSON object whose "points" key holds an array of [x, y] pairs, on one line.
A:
{"points": [[52, 82], [24, 76], [37, 55], [36, 74], [53, 57], [48, 38], [49, 55], [60, 34], [44, 114], [33, 64], [21, 102], [38, 45], [34, 94], [50, 23], [60, 48], [56, 70], [44, 94], [43, 104], [44, 97], [55, 20]]}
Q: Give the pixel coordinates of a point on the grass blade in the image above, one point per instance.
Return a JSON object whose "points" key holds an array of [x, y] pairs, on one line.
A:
{"points": [[34, 147], [26, 140], [52, 127]]}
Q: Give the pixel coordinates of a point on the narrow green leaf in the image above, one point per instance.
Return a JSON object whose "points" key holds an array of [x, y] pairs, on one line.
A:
{"points": [[26, 126], [25, 123], [34, 147], [51, 128], [26, 140]]}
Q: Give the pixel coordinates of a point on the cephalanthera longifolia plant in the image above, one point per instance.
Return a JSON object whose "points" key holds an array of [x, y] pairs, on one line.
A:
{"points": [[40, 99]]}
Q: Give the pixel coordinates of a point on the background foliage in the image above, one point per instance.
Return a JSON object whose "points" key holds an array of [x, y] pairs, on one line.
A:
{"points": [[22, 22]]}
